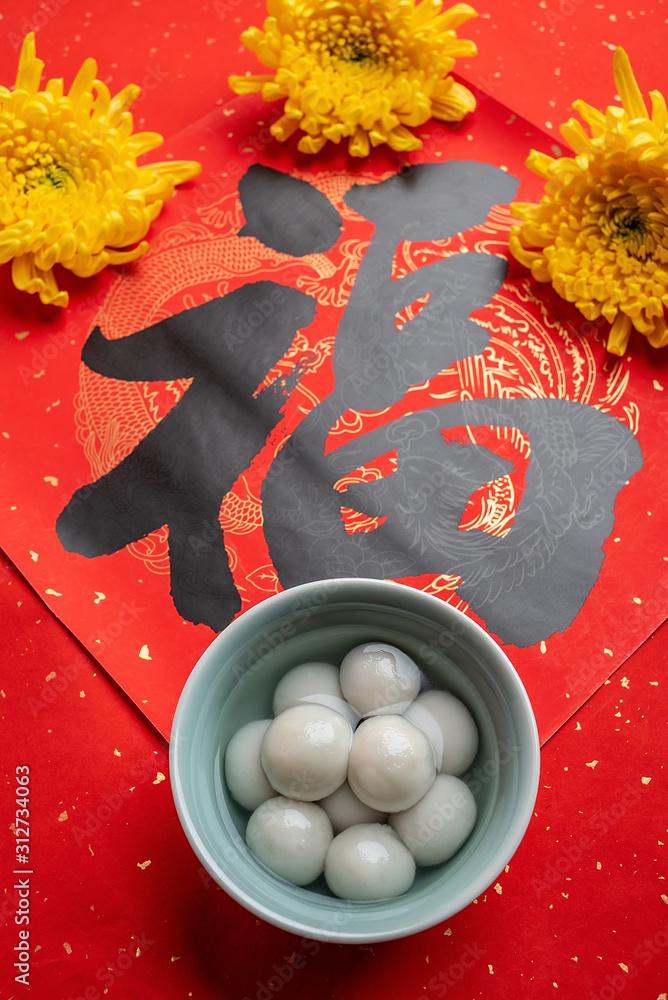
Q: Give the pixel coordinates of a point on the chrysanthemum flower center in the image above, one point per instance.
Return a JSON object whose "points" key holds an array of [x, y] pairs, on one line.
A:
{"points": [[31, 164], [362, 70], [637, 234], [71, 192], [352, 40], [354, 47], [600, 232]]}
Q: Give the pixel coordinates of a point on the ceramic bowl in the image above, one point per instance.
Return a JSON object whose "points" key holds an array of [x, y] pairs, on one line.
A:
{"points": [[233, 683]]}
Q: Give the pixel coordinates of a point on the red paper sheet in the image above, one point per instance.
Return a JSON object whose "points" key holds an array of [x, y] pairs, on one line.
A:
{"points": [[535, 56], [583, 903], [119, 901], [65, 425]]}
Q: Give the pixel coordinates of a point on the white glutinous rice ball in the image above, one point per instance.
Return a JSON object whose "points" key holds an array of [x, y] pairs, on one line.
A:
{"points": [[436, 827], [377, 678], [450, 727], [305, 751], [244, 774], [290, 837], [391, 763], [368, 862], [345, 809], [316, 683]]}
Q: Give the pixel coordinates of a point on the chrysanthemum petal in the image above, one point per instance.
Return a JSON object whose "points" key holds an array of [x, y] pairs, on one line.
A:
{"points": [[359, 144], [121, 103], [659, 110], [71, 193], [126, 256], [537, 236], [311, 143], [659, 336], [27, 277], [540, 163], [576, 137], [284, 128], [619, 335], [83, 83], [593, 117], [30, 67], [375, 65], [252, 38], [456, 104], [455, 16], [627, 88], [248, 84], [178, 171], [426, 11], [143, 142], [600, 231], [402, 140]]}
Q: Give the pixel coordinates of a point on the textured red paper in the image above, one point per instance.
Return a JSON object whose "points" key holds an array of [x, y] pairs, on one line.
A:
{"points": [[602, 920], [534, 56], [120, 902], [75, 425]]}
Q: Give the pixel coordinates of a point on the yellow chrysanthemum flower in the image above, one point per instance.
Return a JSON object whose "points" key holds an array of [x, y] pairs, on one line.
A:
{"points": [[70, 189], [600, 232], [365, 70]]}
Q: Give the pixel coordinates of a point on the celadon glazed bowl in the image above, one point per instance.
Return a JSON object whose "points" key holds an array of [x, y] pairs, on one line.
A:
{"points": [[233, 683]]}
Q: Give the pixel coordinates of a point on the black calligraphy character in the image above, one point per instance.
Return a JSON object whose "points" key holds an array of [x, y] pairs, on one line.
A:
{"points": [[179, 473], [182, 469], [526, 585]]}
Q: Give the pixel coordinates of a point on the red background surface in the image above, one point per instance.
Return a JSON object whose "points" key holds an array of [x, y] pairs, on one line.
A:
{"points": [[75, 424], [583, 907]]}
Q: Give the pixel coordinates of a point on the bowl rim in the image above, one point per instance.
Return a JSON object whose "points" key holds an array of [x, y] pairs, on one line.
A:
{"points": [[271, 606]]}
